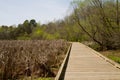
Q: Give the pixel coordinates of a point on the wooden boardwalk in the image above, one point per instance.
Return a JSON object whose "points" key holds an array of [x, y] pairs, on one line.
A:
{"points": [[87, 64]]}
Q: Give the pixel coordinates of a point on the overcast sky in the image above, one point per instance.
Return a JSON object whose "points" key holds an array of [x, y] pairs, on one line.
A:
{"points": [[16, 11]]}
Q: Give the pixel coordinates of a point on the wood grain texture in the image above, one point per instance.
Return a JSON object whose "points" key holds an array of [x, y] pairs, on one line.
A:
{"points": [[87, 64]]}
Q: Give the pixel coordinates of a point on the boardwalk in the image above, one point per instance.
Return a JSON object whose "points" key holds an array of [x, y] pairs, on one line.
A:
{"points": [[85, 64]]}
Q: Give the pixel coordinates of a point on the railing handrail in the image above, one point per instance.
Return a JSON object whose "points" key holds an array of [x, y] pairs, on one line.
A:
{"points": [[63, 63]]}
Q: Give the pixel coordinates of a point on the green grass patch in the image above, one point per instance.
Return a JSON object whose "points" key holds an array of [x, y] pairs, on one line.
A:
{"points": [[115, 58], [112, 54]]}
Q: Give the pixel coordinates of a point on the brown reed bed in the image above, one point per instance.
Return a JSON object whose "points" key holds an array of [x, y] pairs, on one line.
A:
{"points": [[38, 58]]}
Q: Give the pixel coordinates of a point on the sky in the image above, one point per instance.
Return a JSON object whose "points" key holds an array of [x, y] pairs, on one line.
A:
{"points": [[13, 12]]}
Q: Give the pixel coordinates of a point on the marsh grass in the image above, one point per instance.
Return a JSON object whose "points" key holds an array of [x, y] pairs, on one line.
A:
{"points": [[36, 58]]}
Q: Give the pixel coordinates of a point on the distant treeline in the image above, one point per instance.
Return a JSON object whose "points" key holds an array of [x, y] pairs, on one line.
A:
{"points": [[30, 30], [91, 20]]}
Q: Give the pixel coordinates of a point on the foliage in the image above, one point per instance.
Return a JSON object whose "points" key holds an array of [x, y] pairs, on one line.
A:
{"points": [[93, 45], [61, 29], [97, 19]]}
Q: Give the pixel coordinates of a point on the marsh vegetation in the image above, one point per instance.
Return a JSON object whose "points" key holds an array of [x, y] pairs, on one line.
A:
{"points": [[35, 58]]}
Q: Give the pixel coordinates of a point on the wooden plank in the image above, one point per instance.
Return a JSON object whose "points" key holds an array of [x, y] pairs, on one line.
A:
{"points": [[86, 64]]}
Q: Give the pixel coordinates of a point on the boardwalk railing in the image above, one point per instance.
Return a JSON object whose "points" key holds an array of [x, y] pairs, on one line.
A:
{"points": [[63, 65]]}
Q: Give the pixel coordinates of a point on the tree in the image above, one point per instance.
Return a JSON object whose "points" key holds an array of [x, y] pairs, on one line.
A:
{"points": [[33, 23], [94, 18]]}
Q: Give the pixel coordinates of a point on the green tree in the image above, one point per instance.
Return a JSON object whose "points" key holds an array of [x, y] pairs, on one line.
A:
{"points": [[96, 19]]}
